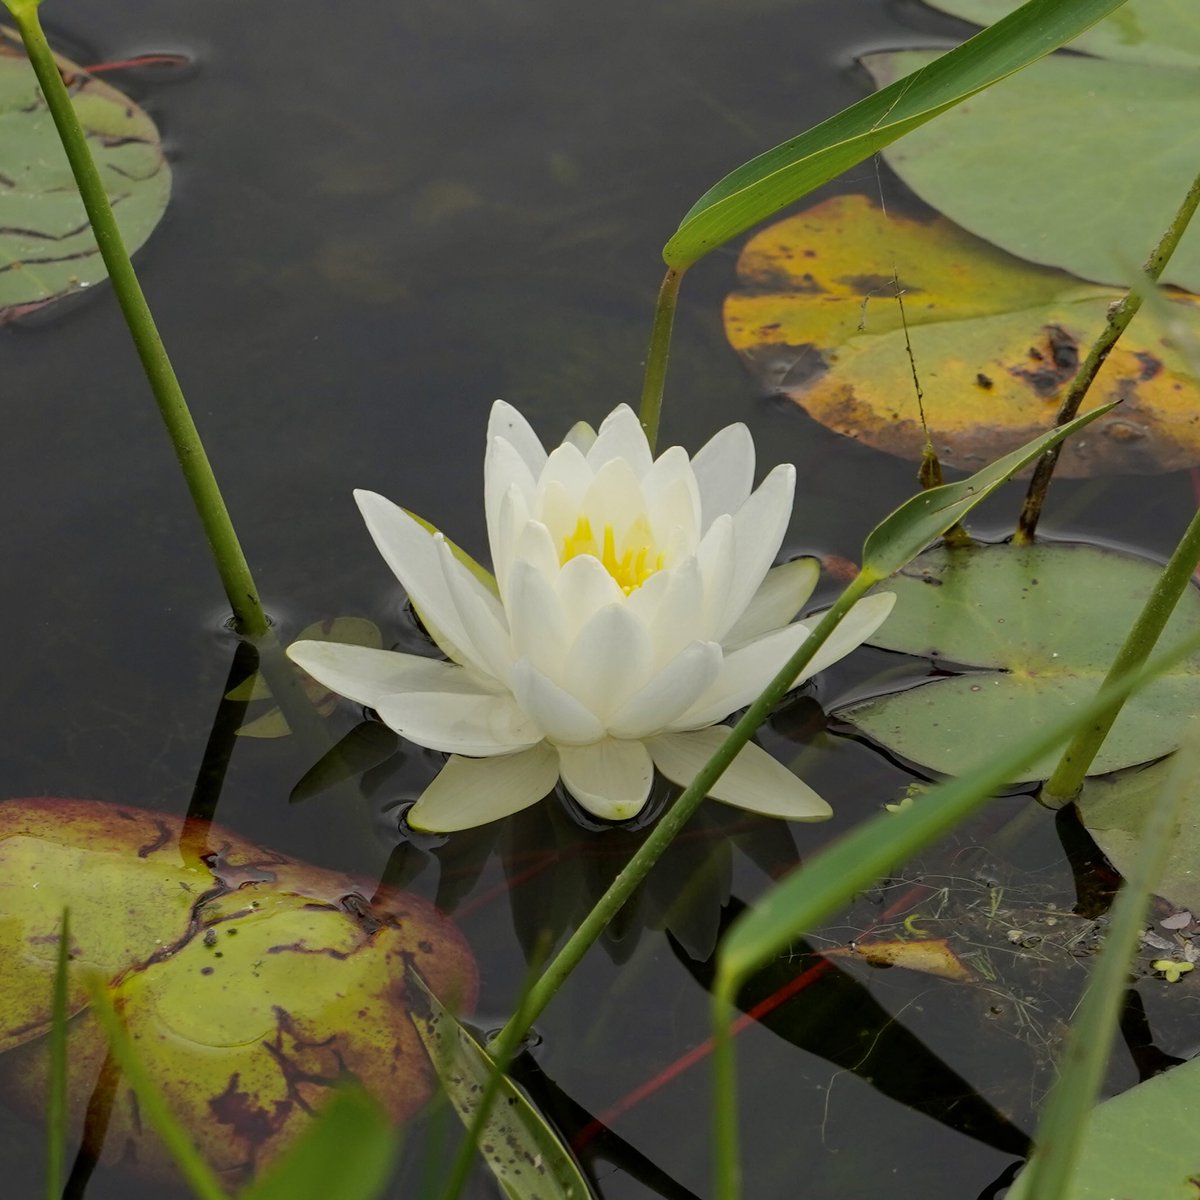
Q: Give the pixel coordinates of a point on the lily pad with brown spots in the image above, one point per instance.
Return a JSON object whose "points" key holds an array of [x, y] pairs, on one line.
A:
{"points": [[251, 983], [995, 342]]}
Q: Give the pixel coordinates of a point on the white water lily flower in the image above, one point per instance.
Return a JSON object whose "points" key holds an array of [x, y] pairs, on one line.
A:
{"points": [[635, 607]]}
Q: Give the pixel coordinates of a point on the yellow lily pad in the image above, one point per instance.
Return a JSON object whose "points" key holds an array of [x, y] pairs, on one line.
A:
{"points": [[250, 983], [996, 342]]}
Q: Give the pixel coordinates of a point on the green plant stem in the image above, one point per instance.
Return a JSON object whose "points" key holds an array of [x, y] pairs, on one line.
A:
{"points": [[656, 356], [1064, 784], [727, 1173], [206, 495], [673, 820], [56, 1107], [1119, 316]]}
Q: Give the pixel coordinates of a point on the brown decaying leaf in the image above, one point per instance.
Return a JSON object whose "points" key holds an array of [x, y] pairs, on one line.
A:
{"points": [[931, 956], [996, 341]]}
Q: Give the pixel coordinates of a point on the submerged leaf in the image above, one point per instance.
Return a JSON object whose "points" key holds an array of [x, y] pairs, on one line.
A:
{"points": [[1042, 625], [47, 250], [996, 343]]}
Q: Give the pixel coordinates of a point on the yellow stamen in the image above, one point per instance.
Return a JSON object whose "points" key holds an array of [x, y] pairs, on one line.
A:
{"points": [[632, 566]]}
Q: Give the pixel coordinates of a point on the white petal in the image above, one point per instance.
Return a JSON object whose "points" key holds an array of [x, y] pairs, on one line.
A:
{"points": [[611, 778], [758, 529], [672, 496], [473, 791], [779, 598], [754, 780], [621, 437], [481, 725], [539, 626], [668, 693], [614, 497], [411, 553], [566, 469], [853, 629], [480, 612], [511, 521], [724, 469], [675, 619], [743, 675], [582, 436], [556, 712], [505, 422], [365, 675], [503, 471], [584, 587], [714, 557], [610, 660]]}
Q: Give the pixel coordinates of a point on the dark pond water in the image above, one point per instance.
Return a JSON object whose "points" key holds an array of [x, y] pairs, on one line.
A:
{"points": [[385, 217]]}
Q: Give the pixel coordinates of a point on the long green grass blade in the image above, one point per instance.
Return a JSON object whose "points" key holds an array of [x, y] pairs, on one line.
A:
{"points": [[56, 1105], [348, 1152], [198, 1174], [764, 185], [1059, 1138]]}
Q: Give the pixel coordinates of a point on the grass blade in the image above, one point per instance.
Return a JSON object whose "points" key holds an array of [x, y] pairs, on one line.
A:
{"points": [[764, 185]]}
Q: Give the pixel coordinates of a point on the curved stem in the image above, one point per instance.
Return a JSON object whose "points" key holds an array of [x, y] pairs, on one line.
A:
{"points": [[202, 484], [656, 356]]}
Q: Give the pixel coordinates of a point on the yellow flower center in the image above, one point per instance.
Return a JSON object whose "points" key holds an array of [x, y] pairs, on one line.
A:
{"points": [[637, 561]]}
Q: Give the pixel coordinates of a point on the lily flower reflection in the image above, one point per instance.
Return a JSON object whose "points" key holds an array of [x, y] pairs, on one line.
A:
{"points": [[634, 606]]}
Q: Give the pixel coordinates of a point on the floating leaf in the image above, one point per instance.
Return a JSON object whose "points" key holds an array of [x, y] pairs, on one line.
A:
{"points": [[1076, 163], [932, 956], [996, 342], [523, 1152], [1043, 624], [47, 250], [354, 631], [251, 983], [1115, 810]]}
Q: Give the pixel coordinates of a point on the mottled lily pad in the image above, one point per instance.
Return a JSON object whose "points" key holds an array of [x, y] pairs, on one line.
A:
{"points": [[47, 250], [251, 983], [996, 343], [1040, 625]]}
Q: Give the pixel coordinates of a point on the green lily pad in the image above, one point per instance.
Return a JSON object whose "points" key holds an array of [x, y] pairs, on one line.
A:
{"points": [[1154, 31], [1041, 624], [1076, 162], [47, 250], [1140, 1145], [1115, 810]]}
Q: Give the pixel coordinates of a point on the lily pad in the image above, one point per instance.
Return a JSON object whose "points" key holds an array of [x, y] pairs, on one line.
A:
{"points": [[47, 250], [1116, 808], [1041, 624], [1154, 31], [996, 342], [1140, 1145], [251, 983], [1078, 163]]}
